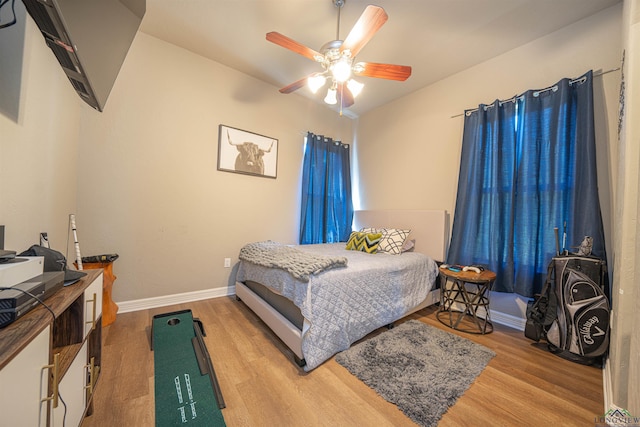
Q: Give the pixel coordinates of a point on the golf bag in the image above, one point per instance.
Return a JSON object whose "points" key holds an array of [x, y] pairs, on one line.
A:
{"points": [[572, 312]]}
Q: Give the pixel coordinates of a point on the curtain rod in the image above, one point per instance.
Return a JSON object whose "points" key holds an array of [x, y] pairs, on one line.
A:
{"points": [[542, 90]]}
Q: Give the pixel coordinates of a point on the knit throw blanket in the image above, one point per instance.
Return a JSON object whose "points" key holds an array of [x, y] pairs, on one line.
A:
{"points": [[298, 263]]}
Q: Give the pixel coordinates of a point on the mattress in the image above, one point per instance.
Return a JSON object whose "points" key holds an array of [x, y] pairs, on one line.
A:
{"points": [[339, 306], [280, 303]]}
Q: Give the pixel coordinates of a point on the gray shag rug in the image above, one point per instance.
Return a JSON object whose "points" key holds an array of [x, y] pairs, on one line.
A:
{"points": [[419, 368]]}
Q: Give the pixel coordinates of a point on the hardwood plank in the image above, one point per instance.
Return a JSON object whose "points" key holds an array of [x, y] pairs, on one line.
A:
{"points": [[523, 385]]}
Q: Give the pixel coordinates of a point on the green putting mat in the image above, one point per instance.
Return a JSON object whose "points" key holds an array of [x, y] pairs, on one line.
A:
{"points": [[184, 395]]}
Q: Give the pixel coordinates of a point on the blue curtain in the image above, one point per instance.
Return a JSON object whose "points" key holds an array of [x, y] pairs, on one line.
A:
{"points": [[528, 165], [327, 208]]}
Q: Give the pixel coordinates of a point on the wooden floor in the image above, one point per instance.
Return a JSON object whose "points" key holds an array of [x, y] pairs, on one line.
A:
{"points": [[523, 385]]}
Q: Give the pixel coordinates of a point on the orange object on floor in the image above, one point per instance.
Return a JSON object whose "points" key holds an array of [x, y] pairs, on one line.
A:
{"points": [[109, 308]]}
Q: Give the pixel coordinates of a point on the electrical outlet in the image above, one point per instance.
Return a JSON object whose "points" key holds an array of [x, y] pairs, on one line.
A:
{"points": [[227, 262]]}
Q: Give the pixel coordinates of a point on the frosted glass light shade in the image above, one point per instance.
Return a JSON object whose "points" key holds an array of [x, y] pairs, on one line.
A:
{"points": [[316, 82], [331, 97], [354, 87]]}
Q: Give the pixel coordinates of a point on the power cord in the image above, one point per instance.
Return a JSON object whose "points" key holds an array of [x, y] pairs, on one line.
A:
{"points": [[29, 293], [3, 288], [13, 10], [64, 414]]}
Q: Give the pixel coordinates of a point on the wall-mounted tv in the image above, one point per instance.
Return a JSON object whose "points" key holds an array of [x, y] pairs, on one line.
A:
{"points": [[90, 39]]}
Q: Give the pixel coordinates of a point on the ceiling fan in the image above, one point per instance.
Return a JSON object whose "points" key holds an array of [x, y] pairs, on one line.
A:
{"points": [[337, 59]]}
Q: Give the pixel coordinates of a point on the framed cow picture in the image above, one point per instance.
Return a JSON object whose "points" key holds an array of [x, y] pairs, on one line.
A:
{"points": [[246, 152]]}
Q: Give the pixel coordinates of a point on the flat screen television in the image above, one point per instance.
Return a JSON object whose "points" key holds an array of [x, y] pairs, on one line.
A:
{"points": [[90, 39]]}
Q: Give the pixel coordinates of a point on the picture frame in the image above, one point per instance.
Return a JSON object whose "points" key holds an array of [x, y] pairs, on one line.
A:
{"points": [[248, 153]]}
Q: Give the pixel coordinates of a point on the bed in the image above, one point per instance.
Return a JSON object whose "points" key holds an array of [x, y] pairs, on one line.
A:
{"points": [[322, 313]]}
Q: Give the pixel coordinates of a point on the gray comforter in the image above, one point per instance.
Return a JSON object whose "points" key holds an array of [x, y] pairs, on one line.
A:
{"points": [[342, 305]]}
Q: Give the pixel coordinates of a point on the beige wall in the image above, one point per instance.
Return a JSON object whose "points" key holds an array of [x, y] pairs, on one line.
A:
{"points": [[425, 141], [625, 338], [38, 145], [148, 185]]}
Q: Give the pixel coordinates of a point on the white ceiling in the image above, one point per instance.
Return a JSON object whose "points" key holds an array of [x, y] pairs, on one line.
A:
{"points": [[437, 38]]}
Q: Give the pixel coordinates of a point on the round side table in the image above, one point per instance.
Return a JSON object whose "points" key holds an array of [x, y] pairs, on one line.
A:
{"points": [[465, 294]]}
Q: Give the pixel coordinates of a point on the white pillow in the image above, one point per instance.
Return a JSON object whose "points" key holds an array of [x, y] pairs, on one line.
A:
{"points": [[392, 239], [409, 245]]}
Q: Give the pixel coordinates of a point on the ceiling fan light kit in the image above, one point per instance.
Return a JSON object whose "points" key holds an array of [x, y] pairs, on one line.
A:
{"points": [[355, 87], [337, 59], [315, 82], [332, 95]]}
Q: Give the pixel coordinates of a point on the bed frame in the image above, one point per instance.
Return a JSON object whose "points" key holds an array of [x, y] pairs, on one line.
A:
{"points": [[429, 228]]}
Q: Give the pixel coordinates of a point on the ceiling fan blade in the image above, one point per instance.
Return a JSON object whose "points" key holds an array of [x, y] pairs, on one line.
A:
{"points": [[287, 43], [345, 97], [367, 25], [384, 71], [294, 86]]}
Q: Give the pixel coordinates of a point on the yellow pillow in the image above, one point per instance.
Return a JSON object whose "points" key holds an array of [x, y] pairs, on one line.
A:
{"points": [[365, 242]]}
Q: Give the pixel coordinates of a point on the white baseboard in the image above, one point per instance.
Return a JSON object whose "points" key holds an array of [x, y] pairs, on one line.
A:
{"points": [[514, 322], [165, 300]]}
